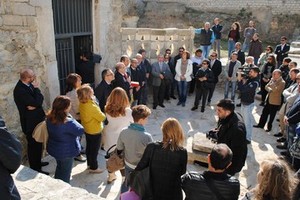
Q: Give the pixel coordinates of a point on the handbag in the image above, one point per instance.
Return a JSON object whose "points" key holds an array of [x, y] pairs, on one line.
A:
{"points": [[140, 181], [114, 161], [40, 133], [129, 195]]}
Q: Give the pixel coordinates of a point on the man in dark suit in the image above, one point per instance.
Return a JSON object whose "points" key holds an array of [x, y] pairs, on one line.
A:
{"points": [[104, 88], [29, 100], [136, 75], [282, 50], [216, 68], [122, 79], [160, 72]]}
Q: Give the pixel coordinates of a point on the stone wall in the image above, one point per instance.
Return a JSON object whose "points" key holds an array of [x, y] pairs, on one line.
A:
{"points": [[275, 6], [26, 41], [273, 18], [155, 41]]}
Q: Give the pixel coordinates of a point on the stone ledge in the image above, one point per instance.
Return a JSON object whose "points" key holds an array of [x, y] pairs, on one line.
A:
{"points": [[33, 185]]}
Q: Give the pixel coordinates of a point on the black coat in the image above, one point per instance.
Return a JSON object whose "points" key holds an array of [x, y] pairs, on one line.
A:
{"points": [[232, 132], [102, 91], [281, 54], [166, 168], [28, 96], [195, 186], [136, 75], [216, 68], [209, 83], [86, 69], [241, 56], [120, 81], [10, 160]]}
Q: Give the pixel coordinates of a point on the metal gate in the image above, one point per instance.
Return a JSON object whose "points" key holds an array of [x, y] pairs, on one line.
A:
{"points": [[73, 34]]}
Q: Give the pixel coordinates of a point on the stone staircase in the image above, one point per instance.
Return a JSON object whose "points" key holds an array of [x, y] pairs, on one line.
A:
{"points": [[34, 185]]}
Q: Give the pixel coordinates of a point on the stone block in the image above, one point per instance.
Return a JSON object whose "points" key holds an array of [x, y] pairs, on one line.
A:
{"points": [[194, 155], [23, 9], [21, 1], [201, 143], [12, 20], [43, 3], [128, 37], [143, 37], [157, 38], [129, 31]]}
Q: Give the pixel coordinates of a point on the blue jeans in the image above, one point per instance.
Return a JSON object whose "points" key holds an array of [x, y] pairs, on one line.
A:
{"points": [[63, 169], [256, 61], [231, 44], [205, 50], [125, 187], [233, 85], [246, 45], [246, 111], [182, 89]]}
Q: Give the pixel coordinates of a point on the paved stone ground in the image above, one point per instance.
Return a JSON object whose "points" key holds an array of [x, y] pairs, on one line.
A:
{"points": [[261, 148]]}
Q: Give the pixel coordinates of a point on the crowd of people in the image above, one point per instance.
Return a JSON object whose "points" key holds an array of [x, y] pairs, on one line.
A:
{"points": [[115, 112]]}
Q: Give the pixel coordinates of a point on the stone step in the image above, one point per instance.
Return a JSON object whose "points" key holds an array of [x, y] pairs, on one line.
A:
{"points": [[34, 185]]}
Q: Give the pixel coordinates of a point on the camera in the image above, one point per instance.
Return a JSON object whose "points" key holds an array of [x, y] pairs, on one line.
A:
{"points": [[212, 135], [244, 71]]}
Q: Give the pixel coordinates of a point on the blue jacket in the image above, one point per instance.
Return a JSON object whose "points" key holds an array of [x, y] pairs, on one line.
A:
{"points": [[248, 90], [63, 139]]}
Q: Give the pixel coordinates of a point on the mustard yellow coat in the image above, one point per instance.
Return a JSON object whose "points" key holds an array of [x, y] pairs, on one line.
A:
{"points": [[91, 117]]}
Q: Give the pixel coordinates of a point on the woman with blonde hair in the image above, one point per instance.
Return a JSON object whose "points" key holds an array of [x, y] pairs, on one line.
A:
{"points": [[167, 162], [275, 182], [118, 114], [92, 120], [63, 143]]}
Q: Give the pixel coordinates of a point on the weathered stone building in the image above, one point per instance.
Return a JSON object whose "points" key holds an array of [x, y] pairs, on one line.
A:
{"points": [[28, 37]]}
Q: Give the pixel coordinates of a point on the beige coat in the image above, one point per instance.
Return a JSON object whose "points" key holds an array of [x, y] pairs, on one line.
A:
{"points": [[275, 89]]}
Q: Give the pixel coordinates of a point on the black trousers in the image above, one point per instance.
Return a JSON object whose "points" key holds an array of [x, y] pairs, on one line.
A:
{"points": [[201, 93], [173, 88], [92, 148], [211, 92], [268, 111], [264, 92], [167, 88], [159, 93], [34, 153], [192, 86]]}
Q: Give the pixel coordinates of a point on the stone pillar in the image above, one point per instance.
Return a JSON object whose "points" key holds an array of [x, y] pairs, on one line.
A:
{"points": [[106, 33]]}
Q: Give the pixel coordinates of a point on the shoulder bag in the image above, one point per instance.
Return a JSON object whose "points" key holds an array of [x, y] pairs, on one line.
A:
{"points": [[114, 161]]}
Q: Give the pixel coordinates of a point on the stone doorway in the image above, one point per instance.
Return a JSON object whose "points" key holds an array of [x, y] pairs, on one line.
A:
{"points": [[73, 34]]}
